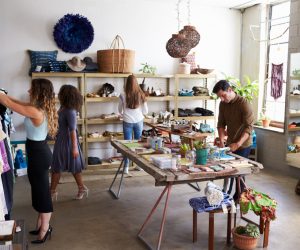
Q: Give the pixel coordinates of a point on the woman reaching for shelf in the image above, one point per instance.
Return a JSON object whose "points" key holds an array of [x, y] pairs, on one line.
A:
{"points": [[133, 107], [67, 155], [40, 120]]}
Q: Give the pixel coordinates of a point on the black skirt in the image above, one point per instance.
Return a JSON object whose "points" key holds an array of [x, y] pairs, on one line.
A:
{"points": [[39, 160]]}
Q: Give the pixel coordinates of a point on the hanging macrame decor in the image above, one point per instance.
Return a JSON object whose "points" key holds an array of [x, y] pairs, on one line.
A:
{"points": [[179, 45]]}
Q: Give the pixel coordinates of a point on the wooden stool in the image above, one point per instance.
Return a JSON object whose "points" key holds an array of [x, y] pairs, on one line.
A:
{"points": [[211, 226]]}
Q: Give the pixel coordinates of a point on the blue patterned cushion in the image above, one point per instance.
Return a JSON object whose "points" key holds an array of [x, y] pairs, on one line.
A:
{"points": [[200, 204], [58, 66], [41, 58]]}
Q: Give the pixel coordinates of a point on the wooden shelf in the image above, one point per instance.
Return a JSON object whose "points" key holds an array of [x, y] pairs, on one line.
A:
{"points": [[294, 114], [195, 118], [105, 75], [103, 139], [191, 98], [57, 74], [160, 98], [293, 159], [102, 99], [195, 76], [294, 129], [295, 96], [51, 142], [103, 121], [80, 121], [294, 77], [104, 165]]}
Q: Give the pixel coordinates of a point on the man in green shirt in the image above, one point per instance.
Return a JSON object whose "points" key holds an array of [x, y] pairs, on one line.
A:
{"points": [[235, 120]]}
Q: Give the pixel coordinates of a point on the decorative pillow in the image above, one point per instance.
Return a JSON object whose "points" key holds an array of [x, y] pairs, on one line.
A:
{"points": [[41, 58], [58, 66], [190, 59]]}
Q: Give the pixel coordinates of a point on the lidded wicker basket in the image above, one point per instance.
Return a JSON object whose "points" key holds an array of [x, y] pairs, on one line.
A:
{"points": [[191, 34], [178, 46]]}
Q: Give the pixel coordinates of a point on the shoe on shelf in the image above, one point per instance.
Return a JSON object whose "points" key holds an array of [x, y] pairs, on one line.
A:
{"points": [[83, 191], [41, 241]]}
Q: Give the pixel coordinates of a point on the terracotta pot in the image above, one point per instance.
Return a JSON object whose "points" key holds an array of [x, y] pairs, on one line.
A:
{"points": [[266, 123], [243, 242]]}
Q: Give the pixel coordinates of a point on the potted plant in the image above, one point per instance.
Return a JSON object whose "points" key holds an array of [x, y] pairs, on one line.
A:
{"points": [[245, 237], [265, 120], [184, 148], [147, 69], [248, 89], [201, 152]]}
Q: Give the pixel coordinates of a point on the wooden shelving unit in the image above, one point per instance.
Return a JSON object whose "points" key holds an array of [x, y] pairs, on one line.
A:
{"points": [[293, 159], [84, 122]]}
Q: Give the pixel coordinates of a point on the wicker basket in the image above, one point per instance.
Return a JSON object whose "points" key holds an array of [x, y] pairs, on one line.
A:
{"points": [[116, 59], [243, 242]]}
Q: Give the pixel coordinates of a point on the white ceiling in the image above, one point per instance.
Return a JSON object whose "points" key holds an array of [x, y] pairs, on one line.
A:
{"points": [[232, 4]]}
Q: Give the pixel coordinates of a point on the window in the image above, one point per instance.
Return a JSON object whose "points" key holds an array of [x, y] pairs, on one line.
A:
{"points": [[274, 96]]}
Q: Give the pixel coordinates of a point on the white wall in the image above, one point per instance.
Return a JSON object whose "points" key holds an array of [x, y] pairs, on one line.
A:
{"points": [[145, 26]]}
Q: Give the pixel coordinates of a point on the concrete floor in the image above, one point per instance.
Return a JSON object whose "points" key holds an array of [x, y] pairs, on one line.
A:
{"points": [[101, 222]]}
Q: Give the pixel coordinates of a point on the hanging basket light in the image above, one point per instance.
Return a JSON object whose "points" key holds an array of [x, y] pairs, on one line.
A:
{"points": [[178, 46], [191, 34]]}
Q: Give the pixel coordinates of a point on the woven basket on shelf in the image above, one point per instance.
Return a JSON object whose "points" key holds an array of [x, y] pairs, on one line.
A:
{"points": [[178, 46], [116, 59], [191, 34]]}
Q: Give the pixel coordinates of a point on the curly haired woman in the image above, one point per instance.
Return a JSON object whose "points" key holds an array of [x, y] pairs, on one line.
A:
{"points": [[40, 120], [67, 155]]}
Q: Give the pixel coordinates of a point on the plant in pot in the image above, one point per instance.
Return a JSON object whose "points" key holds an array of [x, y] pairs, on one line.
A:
{"points": [[201, 152], [184, 147], [247, 89], [265, 120], [245, 237], [147, 69]]}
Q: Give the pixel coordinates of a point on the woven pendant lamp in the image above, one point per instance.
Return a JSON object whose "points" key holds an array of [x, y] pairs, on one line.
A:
{"points": [[178, 46], [191, 34]]}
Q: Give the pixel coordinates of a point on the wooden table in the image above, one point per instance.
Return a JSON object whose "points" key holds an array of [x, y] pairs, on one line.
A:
{"points": [[190, 137], [169, 178]]}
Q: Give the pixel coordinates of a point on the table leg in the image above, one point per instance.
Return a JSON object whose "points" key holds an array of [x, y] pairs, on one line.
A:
{"points": [[167, 188], [116, 196], [195, 187]]}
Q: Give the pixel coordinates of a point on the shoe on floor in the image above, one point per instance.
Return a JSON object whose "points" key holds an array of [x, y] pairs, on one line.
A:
{"points": [[127, 175], [137, 168]]}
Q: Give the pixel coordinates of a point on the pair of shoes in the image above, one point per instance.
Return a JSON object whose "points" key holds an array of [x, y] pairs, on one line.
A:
{"points": [[35, 232], [83, 191], [54, 195], [48, 233]]}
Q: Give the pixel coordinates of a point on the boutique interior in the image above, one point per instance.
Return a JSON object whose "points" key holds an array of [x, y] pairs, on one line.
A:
{"points": [[203, 152]]}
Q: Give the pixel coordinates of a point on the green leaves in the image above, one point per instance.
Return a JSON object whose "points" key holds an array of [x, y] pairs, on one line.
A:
{"points": [[147, 69], [199, 145], [249, 89]]}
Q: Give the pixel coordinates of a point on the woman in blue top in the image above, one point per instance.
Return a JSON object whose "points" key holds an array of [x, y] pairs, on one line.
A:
{"points": [[40, 120], [67, 155]]}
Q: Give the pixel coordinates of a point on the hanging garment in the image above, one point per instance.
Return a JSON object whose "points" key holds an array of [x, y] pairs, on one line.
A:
{"points": [[276, 80]]}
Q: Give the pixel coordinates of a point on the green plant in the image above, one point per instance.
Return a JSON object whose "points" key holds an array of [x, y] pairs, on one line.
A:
{"points": [[200, 145], [248, 89], [249, 230], [263, 115], [147, 69]]}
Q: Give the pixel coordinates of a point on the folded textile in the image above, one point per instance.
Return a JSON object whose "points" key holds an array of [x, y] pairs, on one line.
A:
{"points": [[201, 204], [213, 194], [204, 112]]}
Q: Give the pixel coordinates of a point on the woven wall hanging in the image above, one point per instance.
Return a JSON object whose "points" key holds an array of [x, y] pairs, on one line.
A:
{"points": [[73, 33]]}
